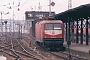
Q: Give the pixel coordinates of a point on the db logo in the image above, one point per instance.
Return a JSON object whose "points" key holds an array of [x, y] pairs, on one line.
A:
{"points": [[53, 33]]}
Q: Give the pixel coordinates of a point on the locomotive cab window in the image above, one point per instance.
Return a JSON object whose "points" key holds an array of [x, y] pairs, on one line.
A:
{"points": [[53, 26], [48, 26], [57, 26]]}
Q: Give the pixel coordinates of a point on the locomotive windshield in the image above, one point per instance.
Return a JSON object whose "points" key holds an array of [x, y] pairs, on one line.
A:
{"points": [[53, 26], [57, 26], [48, 26]]}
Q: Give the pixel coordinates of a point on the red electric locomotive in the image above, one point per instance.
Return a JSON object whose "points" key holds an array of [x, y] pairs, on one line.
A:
{"points": [[50, 33]]}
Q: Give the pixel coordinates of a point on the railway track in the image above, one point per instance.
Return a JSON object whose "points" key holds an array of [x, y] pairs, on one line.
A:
{"points": [[26, 48], [40, 50], [44, 52], [64, 55], [14, 52], [33, 48]]}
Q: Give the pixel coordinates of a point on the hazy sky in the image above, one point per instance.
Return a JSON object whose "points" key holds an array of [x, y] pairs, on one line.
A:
{"points": [[29, 5]]}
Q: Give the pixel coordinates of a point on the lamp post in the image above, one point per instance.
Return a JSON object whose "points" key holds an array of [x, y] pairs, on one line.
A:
{"points": [[21, 30], [13, 18], [5, 29], [69, 41], [50, 4]]}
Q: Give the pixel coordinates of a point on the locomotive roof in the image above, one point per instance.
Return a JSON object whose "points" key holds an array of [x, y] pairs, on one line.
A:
{"points": [[51, 21]]}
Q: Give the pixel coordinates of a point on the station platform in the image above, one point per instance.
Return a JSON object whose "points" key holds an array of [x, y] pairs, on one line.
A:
{"points": [[79, 49]]}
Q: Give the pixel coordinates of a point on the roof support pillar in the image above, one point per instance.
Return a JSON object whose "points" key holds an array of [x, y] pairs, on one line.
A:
{"points": [[81, 40], [69, 40], [69, 30], [72, 32], [87, 31], [77, 33], [66, 31]]}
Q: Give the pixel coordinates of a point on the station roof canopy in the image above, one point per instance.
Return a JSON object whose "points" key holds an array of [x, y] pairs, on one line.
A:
{"points": [[82, 11]]}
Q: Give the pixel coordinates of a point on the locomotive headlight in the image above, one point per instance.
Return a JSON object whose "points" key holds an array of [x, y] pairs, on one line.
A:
{"points": [[45, 37], [60, 36]]}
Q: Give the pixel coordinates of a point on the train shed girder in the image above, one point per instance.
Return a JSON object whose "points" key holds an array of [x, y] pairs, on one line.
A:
{"points": [[82, 11]]}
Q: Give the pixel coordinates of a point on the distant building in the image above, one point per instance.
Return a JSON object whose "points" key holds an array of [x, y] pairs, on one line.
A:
{"points": [[31, 17], [36, 15]]}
